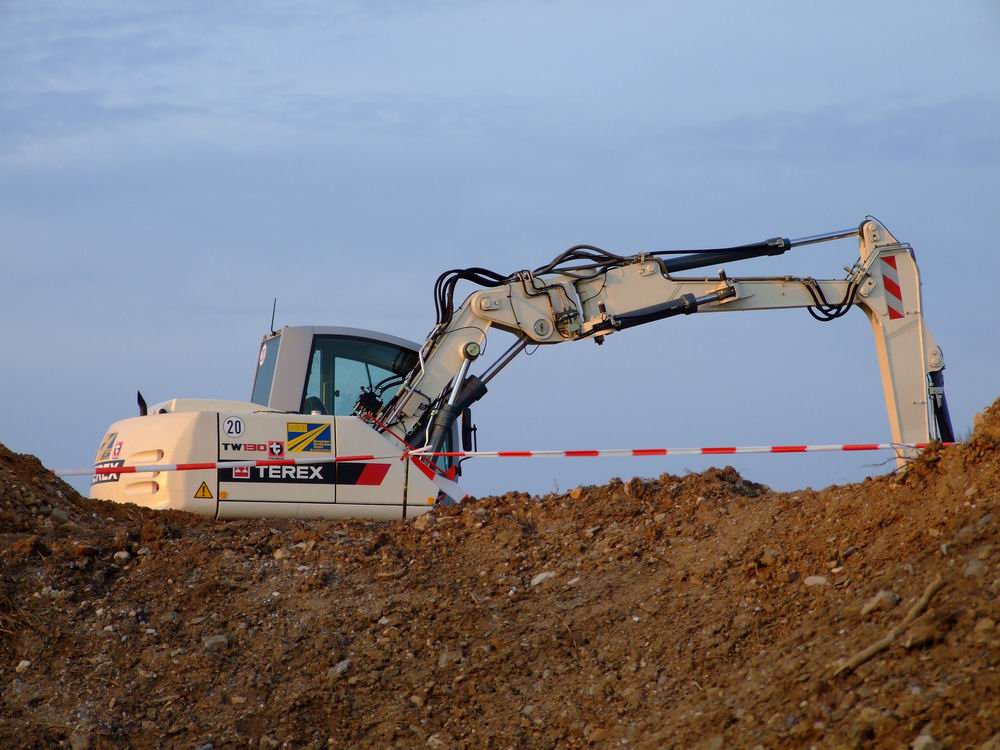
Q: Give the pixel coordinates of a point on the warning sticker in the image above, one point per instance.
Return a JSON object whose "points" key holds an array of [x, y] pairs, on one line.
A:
{"points": [[309, 437], [203, 492]]}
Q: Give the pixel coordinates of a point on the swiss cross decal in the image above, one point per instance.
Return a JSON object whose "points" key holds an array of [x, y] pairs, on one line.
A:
{"points": [[275, 448]]}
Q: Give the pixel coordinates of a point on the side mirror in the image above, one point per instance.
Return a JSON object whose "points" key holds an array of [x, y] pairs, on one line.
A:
{"points": [[468, 431]]}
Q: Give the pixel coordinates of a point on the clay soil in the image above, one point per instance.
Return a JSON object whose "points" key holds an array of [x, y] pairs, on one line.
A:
{"points": [[684, 611]]}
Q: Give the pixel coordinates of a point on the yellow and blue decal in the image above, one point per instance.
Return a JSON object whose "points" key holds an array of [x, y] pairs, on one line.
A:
{"points": [[107, 446], [309, 437]]}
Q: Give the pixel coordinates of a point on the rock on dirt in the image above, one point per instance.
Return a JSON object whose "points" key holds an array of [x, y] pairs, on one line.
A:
{"points": [[883, 600], [215, 643], [683, 622], [542, 578]]}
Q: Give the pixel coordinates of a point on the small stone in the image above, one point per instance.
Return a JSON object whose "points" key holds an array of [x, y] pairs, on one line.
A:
{"points": [[769, 557], [984, 627], [985, 521], [659, 517], [144, 551], [59, 514], [22, 666], [215, 643], [923, 632], [882, 600], [280, 554], [573, 581], [417, 700], [122, 556], [424, 522], [542, 578], [340, 668], [206, 746], [925, 741], [974, 568], [815, 581], [383, 620], [576, 493], [983, 552], [971, 491], [869, 715], [447, 658]]}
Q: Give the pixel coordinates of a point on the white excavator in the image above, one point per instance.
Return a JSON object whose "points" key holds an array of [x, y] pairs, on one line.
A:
{"points": [[340, 421]]}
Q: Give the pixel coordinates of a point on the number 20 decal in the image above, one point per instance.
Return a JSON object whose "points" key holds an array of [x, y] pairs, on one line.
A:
{"points": [[233, 426]]}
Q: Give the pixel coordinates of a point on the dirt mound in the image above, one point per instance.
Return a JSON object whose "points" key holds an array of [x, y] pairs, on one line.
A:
{"points": [[682, 611]]}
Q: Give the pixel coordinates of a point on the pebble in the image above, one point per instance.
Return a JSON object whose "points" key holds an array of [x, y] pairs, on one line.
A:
{"points": [[280, 554], [59, 514], [869, 715], [576, 493], [122, 556], [923, 632], [974, 568], [22, 666], [882, 600], [542, 578], [815, 581], [984, 626], [424, 522], [769, 557], [340, 668], [215, 643], [447, 658], [206, 746], [925, 741]]}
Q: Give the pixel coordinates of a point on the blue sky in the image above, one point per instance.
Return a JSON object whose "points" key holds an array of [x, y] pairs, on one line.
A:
{"points": [[165, 171]]}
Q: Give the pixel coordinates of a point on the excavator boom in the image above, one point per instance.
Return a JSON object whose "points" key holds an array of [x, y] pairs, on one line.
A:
{"points": [[589, 293]]}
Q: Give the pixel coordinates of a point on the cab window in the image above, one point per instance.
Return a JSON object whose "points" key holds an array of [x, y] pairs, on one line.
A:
{"points": [[340, 367], [266, 361]]}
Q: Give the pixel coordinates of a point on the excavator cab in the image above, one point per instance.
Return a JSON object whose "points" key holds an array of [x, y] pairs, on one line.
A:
{"points": [[333, 370]]}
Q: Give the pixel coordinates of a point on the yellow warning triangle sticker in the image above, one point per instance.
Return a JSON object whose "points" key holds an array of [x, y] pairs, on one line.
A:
{"points": [[203, 492]]}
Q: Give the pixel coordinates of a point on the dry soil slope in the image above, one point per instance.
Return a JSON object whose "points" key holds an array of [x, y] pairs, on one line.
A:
{"points": [[671, 612]]}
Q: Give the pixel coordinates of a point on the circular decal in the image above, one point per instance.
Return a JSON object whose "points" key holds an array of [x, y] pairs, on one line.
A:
{"points": [[263, 353], [233, 426]]}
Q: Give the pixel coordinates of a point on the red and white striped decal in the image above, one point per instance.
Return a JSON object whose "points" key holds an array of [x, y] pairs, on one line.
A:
{"points": [[211, 465], [415, 455], [893, 292]]}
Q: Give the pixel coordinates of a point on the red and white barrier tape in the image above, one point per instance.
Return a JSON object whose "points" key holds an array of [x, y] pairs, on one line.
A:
{"points": [[603, 453], [715, 451]]}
